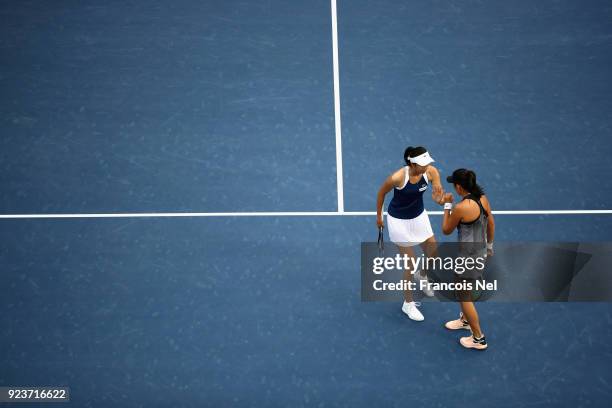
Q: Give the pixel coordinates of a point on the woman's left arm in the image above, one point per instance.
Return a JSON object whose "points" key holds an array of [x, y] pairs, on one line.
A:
{"points": [[437, 192], [490, 223]]}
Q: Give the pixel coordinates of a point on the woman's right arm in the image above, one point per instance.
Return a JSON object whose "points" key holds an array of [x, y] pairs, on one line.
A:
{"points": [[392, 181]]}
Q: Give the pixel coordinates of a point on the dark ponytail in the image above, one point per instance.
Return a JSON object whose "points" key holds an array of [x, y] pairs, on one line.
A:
{"points": [[407, 152], [413, 152], [471, 186]]}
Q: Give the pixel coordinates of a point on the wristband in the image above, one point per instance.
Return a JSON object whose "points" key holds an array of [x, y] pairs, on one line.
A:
{"points": [[490, 246], [448, 206]]}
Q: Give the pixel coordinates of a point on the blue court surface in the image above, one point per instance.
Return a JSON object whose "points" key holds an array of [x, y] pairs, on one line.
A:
{"points": [[227, 109]]}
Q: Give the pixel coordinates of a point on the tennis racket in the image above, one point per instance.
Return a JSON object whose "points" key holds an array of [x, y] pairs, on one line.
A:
{"points": [[381, 242]]}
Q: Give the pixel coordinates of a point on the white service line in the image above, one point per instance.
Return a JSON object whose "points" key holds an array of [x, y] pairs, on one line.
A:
{"points": [[339, 182], [280, 214], [508, 212]]}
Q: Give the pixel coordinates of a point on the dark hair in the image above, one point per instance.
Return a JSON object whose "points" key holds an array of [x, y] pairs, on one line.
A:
{"points": [[413, 152], [467, 179]]}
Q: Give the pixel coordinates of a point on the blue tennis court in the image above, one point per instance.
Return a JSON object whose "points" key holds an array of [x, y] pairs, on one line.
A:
{"points": [[241, 285]]}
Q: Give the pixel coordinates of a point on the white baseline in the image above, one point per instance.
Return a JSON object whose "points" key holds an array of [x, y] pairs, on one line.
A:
{"points": [[282, 214]]}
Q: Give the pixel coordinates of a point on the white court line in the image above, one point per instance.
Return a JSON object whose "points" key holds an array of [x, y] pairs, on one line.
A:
{"points": [[339, 182], [509, 212], [281, 214]]}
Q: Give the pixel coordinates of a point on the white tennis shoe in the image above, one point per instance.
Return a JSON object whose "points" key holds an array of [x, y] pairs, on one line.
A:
{"points": [[410, 308]]}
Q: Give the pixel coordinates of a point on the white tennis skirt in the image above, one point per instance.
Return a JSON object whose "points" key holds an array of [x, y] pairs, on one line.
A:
{"points": [[410, 232]]}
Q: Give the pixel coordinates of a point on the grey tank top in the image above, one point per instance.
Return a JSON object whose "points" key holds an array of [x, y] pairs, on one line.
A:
{"points": [[474, 232]]}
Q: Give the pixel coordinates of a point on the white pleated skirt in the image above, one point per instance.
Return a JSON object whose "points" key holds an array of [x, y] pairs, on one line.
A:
{"points": [[410, 232]]}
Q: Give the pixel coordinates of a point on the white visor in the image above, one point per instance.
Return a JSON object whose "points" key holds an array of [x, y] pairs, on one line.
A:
{"points": [[422, 160]]}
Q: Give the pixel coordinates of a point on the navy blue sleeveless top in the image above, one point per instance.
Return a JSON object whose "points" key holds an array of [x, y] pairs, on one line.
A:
{"points": [[407, 202]]}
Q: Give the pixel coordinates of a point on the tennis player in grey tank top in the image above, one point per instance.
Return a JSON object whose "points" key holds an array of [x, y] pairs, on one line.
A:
{"points": [[473, 219]]}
